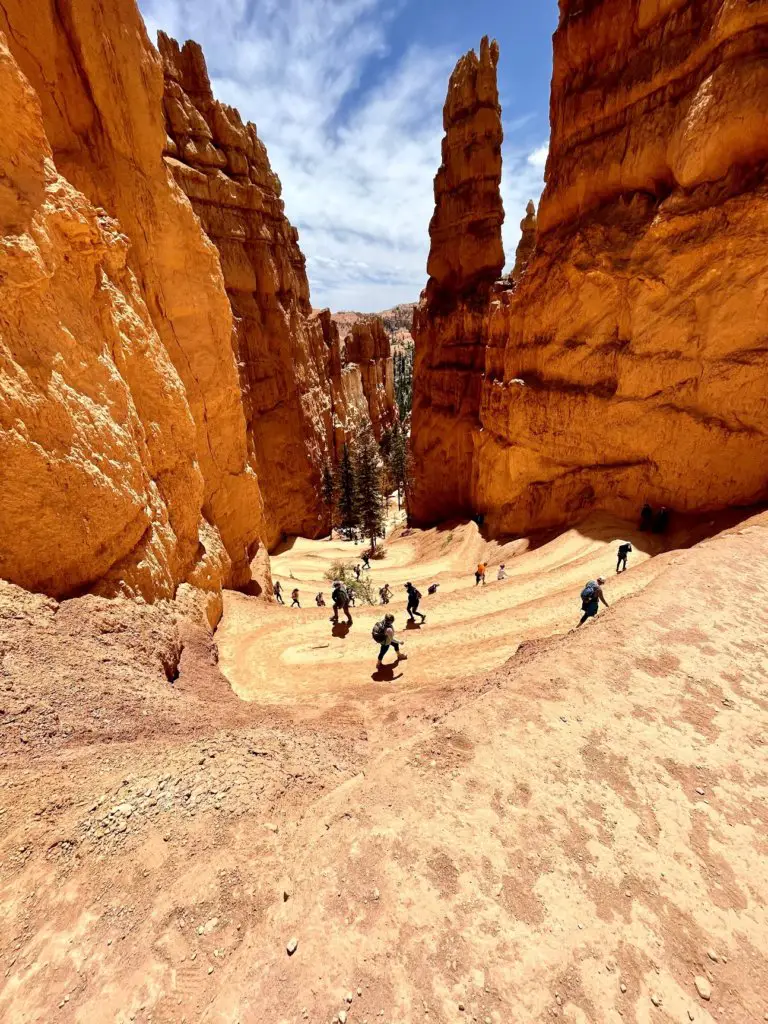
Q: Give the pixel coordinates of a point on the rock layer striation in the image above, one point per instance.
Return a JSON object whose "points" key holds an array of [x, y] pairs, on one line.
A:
{"points": [[629, 361]]}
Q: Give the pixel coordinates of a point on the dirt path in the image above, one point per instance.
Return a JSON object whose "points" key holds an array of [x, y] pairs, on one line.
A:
{"points": [[576, 834], [285, 655]]}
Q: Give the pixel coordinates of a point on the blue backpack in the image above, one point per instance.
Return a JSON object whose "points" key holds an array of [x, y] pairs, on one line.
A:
{"points": [[589, 594]]}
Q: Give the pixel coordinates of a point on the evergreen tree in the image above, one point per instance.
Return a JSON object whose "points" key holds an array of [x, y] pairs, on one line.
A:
{"points": [[329, 492], [400, 463], [347, 492], [371, 504], [403, 372]]}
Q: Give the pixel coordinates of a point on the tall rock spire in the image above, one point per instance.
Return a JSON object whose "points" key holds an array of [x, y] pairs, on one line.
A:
{"points": [[466, 257], [465, 230], [527, 244]]}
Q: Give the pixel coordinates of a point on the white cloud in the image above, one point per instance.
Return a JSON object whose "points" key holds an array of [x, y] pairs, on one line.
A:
{"points": [[353, 133], [538, 158]]}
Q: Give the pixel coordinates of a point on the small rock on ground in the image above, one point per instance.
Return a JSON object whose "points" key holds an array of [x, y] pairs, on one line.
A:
{"points": [[703, 987]]}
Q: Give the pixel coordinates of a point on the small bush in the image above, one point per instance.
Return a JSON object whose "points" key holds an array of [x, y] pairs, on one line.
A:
{"points": [[448, 540], [363, 588]]}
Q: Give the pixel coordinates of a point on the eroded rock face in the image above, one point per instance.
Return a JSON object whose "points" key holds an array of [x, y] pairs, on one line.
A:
{"points": [[166, 324], [466, 257], [629, 363], [527, 244], [368, 348], [223, 167]]}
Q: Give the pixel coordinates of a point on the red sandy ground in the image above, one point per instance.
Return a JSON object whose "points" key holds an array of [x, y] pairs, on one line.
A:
{"points": [[519, 823]]}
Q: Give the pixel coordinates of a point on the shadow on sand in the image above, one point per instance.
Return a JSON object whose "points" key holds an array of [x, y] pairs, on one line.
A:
{"points": [[410, 624], [340, 629], [386, 674]]}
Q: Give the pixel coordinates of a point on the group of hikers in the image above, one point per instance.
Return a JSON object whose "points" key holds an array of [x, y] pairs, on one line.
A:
{"points": [[383, 633]]}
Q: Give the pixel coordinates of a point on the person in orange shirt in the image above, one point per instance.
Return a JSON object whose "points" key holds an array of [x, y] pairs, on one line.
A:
{"points": [[480, 574]]}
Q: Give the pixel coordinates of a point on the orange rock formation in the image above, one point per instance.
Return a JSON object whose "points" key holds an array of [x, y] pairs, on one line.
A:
{"points": [[629, 362], [527, 244], [465, 259], [129, 443]]}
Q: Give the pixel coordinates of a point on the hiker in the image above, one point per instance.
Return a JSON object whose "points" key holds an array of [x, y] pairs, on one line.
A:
{"points": [[622, 555], [366, 560], [295, 598], [432, 589], [384, 635], [646, 517], [502, 573], [357, 572], [320, 601], [480, 574], [352, 597], [279, 592], [591, 596], [413, 603], [340, 601], [385, 594], [661, 521]]}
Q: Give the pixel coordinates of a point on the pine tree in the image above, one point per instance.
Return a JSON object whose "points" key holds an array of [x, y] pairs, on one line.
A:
{"points": [[371, 503], [329, 493], [403, 372], [400, 463], [347, 492]]}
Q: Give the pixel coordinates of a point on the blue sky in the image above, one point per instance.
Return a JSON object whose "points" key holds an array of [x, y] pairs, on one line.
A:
{"points": [[347, 96]]}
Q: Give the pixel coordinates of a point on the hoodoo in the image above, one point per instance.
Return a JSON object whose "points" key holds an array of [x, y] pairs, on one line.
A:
{"points": [[629, 361], [466, 257]]}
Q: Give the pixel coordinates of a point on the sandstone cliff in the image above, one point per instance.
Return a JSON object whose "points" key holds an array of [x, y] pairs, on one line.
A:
{"points": [[135, 410], [125, 462], [223, 167], [466, 257], [629, 363]]}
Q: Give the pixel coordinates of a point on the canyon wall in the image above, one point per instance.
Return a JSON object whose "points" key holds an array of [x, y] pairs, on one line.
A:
{"points": [[167, 395], [124, 450], [628, 362]]}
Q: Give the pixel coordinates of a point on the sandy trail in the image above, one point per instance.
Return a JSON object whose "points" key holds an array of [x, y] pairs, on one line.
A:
{"points": [[577, 832], [282, 654]]}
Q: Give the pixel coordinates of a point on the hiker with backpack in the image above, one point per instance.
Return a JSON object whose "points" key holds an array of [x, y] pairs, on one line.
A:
{"points": [[480, 574], [432, 589], [366, 560], [622, 555], [295, 598], [502, 573], [358, 570], [384, 635], [385, 594], [340, 601], [279, 592], [320, 600], [413, 603], [591, 596]]}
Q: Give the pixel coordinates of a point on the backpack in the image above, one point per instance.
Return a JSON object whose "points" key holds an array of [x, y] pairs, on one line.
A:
{"points": [[588, 594], [413, 595], [340, 597], [379, 632]]}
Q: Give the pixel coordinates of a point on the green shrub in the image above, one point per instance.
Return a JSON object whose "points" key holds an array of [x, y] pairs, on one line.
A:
{"points": [[363, 589]]}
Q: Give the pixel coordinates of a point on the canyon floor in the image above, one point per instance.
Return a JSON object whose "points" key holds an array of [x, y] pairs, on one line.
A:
{"points": [[520, 822]]}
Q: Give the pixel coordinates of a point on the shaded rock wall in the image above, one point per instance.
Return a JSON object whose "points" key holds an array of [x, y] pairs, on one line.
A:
{"points": [[466, 257], [630, 361]]}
